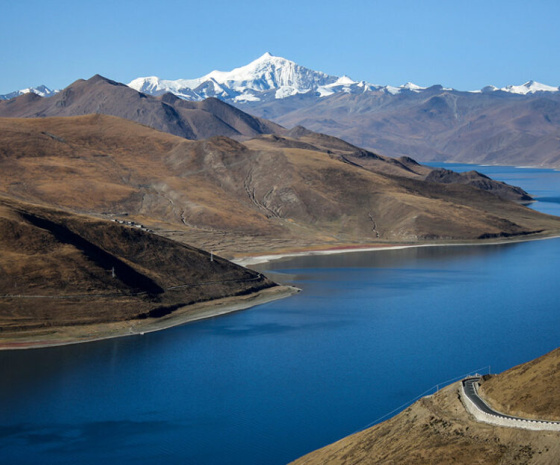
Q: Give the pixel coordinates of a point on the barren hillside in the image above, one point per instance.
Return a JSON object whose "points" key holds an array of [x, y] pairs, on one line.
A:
{"points": [[64, 270], [236, 198], [99, 95], [520, 392]]}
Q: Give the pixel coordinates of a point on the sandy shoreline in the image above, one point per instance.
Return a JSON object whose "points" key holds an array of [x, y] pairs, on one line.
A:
{"points": [[259, 259], [90, 333]]}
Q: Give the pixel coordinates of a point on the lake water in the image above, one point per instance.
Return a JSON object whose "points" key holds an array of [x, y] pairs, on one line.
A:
{"points": [[369, 332]]}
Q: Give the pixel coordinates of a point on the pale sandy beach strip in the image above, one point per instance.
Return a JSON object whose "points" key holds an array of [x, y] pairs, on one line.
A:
{"points": [[259, 259], [215, 308]]}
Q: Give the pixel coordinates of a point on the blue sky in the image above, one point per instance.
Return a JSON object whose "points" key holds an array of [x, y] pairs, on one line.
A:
{"points": [[460, 44]]}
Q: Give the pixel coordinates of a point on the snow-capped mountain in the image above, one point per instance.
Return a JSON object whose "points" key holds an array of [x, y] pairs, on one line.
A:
{"points": [[530, 87], [268, 77], [41, 90], [272, 78]]}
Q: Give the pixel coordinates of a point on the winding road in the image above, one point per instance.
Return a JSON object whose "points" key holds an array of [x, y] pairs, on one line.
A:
{"points": [[483, 412]]}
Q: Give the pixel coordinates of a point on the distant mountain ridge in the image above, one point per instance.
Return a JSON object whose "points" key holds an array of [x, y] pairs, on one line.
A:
{"points": [[272, 77], [42, 91], [267, 76], [275, 77], [168, 113], [513, 125]]}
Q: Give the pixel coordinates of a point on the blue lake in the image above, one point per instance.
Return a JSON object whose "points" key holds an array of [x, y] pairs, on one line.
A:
{"points": [[369, 332]]}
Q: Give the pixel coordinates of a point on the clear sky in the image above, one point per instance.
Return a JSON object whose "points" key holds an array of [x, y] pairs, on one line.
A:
{"points": [[460, 44]]}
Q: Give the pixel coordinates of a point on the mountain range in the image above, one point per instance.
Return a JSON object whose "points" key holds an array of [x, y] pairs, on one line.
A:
{"points": [[212, 117], [168, 113], [513, 125], [274, 78], [42, 91], [266, 181]]}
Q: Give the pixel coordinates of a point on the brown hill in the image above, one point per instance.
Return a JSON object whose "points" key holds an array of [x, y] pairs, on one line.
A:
{"points": [[61, 270], [436, 124], [300, 137], [521, 392], [438, 430], [98, 95], [225, 196]]}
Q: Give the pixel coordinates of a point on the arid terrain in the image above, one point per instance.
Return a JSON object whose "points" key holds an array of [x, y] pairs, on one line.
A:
{"points": [[99, 95], [267, 194], [435, 124], [438, 430], [69, 276], [82, 195], [522, 392]]}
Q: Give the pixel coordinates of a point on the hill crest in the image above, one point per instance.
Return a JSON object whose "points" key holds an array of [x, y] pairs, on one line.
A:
{"points": [[99, 95], [237, 197]]}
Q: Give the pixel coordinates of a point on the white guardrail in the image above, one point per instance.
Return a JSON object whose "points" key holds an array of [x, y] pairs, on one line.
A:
{"points": [[535, 425]]}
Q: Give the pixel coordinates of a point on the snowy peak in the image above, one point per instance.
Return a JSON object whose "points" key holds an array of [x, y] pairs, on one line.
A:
{"points": [[270, 77], [267, 78], [153, 85], [412, 87], [266, 74], [270, 72], [530, 87], [148, 85], [42, 91]]}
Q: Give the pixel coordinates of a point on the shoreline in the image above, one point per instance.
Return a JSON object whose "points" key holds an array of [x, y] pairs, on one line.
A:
{"points": [[183, 315], [260, 259], [522, 167], [59, 336]]}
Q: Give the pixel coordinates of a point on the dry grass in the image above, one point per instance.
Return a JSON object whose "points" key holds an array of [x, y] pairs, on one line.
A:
{"points": [[438, 430], [241, 198], [529, 390], [57, 271]]}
